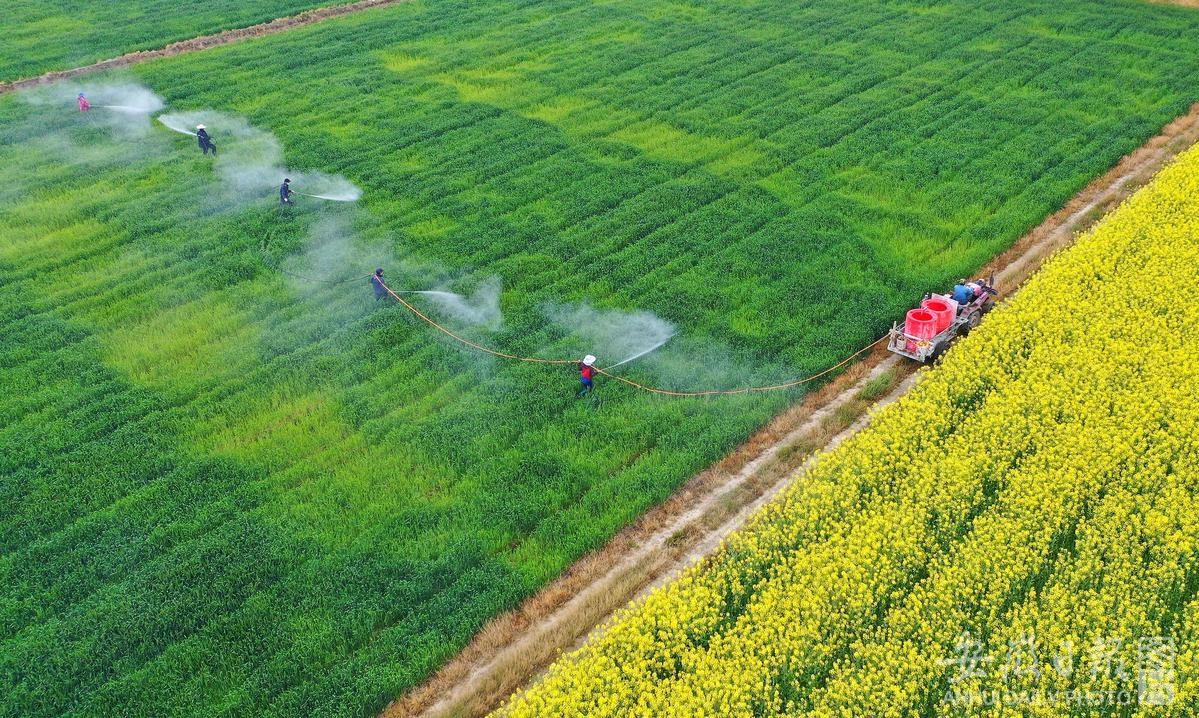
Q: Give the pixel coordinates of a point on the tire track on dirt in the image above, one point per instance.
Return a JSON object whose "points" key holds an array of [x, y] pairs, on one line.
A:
{"points": [[203, 42], [514, 648]]}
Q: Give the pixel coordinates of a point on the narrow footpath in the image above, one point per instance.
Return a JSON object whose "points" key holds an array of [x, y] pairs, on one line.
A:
{"points": [[203, 42]]}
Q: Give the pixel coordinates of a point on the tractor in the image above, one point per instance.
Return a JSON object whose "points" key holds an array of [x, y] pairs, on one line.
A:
{"points": [[940, 319]]}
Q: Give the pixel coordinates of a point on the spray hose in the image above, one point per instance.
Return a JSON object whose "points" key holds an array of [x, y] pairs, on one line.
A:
{"points": [[747, 389], [467, 342], [652, 390]]}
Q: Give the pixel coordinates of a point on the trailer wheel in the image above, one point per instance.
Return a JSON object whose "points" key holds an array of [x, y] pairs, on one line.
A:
{"points": [[972, 320], [938, 350]]}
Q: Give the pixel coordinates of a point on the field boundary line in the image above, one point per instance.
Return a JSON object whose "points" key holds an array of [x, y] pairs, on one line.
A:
{"points": [[270, 27], [202, 42], [515, 647]]}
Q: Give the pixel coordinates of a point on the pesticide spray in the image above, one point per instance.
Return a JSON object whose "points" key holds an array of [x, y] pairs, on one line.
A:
{"points": [[123, 108], [347, 197], [173, 122], [124, 98], [640, 354], [251, 160], [128, 109], [336, 253], [482, 307], [613, 333]]}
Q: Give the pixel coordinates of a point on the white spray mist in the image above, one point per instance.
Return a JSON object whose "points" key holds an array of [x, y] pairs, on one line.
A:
{"points": [[481, 307], [249, 160], [616, 337], [123, 108]]}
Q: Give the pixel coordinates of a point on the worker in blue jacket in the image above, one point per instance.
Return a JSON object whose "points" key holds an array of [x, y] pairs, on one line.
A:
{"points": [[963, 293], [206, 143], [285, 192]]}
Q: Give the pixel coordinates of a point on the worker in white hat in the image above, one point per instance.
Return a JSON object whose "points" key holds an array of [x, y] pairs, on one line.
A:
{"points": [[206, 143], [586, 375]]}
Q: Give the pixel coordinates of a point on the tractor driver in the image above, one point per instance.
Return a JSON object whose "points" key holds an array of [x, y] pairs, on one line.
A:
{"points": [[963, 293]]}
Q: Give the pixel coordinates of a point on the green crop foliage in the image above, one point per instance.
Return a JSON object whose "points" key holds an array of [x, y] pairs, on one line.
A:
{"points": [[45, 35], [230, 491]]}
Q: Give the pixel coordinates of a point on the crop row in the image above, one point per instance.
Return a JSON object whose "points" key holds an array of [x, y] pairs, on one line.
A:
{"points": [[357, 496]]}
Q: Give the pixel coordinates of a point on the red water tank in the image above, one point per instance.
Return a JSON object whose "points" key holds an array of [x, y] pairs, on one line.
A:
{"points": [[920, 324], [943, 309]]}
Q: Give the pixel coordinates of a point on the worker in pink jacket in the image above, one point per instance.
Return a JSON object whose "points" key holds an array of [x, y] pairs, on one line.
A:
{"points": [[84, 105]]}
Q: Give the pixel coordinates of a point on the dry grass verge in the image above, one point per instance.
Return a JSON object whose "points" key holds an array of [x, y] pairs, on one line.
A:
{"points": [[204, 42]]}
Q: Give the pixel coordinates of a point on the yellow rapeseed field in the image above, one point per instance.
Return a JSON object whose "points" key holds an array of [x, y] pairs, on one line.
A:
{"points": [[1016, 536]]}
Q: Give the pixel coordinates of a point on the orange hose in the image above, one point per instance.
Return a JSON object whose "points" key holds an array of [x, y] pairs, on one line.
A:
{"points": [[630, 382], [466, 341], [748, 389]]}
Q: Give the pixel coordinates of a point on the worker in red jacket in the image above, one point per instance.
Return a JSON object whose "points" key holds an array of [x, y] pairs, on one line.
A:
{"points": [[84, 105], [586, 375]]}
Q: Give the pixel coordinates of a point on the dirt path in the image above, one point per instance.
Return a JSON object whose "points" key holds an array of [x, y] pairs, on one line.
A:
{"points": [[513, 648], [204, 42]]}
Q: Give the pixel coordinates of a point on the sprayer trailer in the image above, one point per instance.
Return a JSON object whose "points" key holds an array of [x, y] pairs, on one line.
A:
{"points": [[922, 350], [929, 330]]}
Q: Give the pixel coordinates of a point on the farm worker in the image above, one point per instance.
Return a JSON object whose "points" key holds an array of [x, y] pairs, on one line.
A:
{"points": [[84, 105], [963, 293], [205, 141], [378, 285], [980, 288], [586, 375], [285, 192]]}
